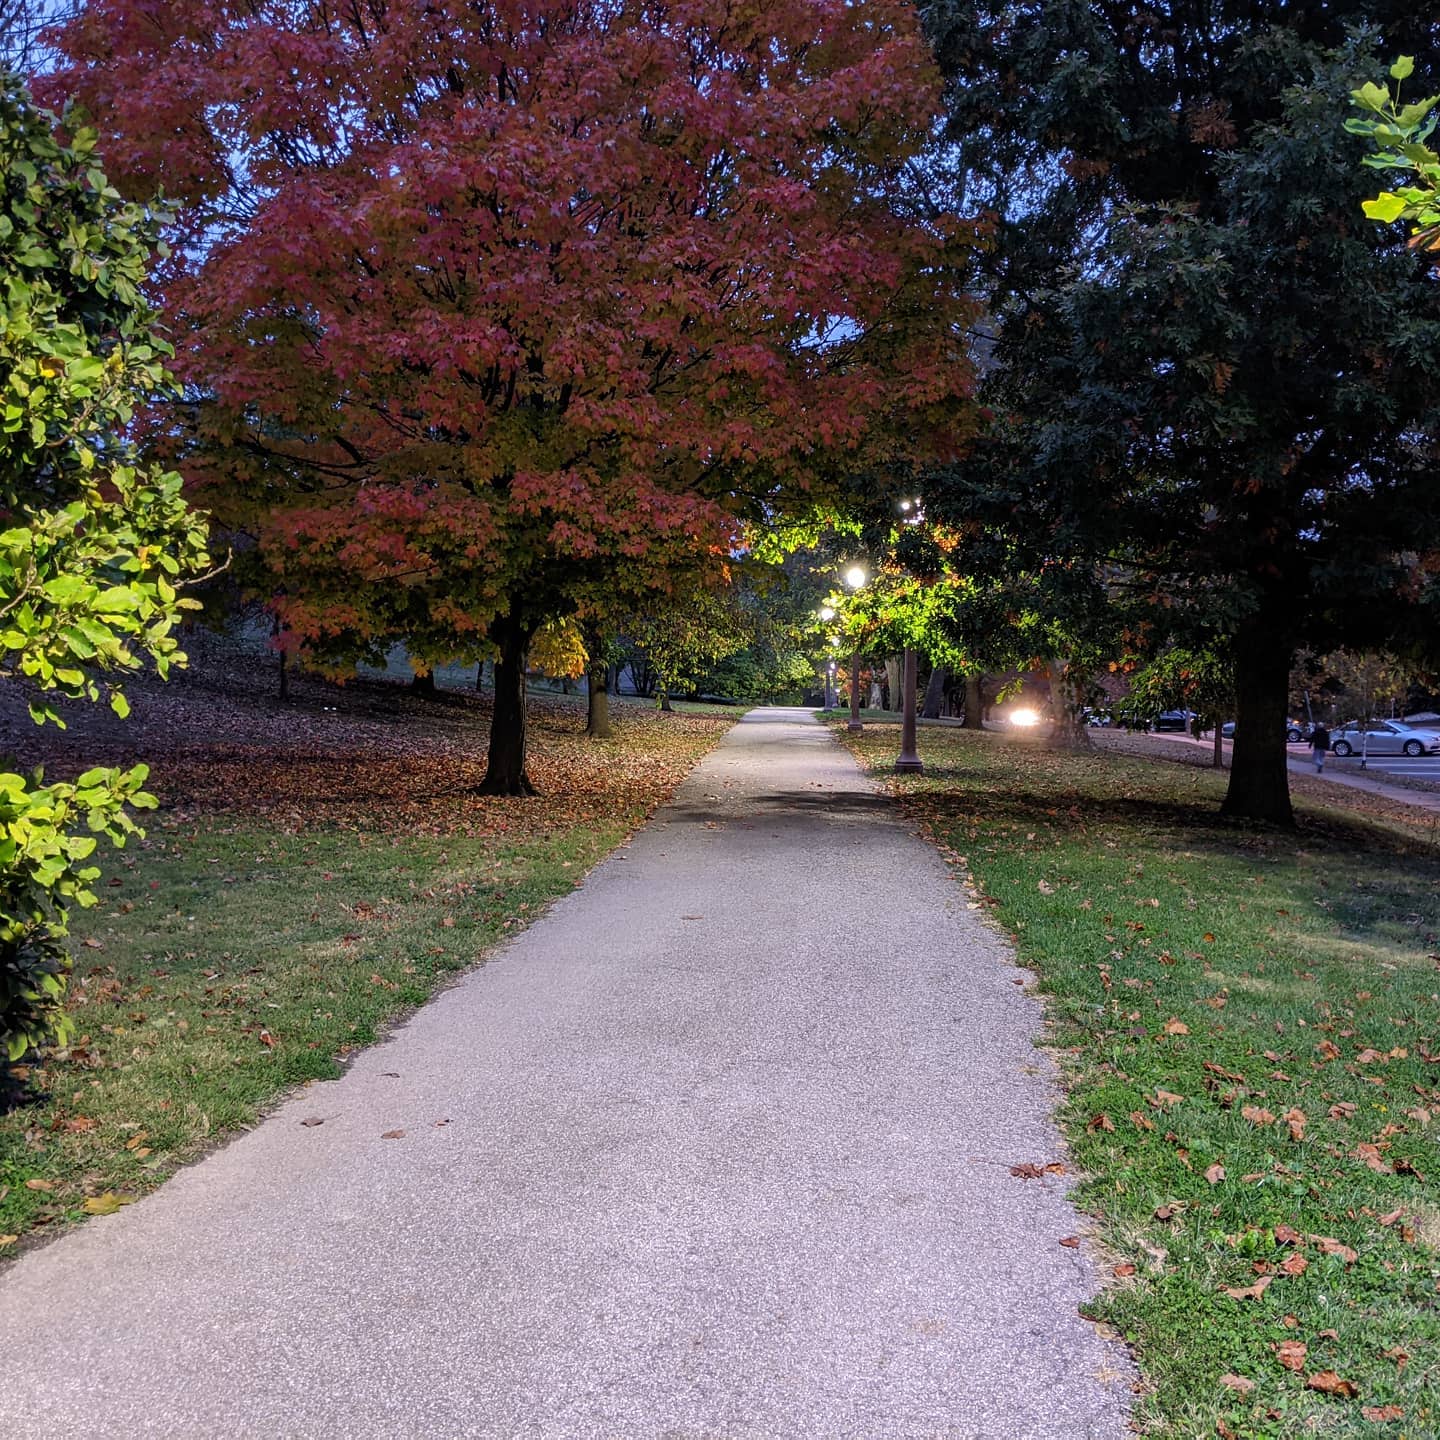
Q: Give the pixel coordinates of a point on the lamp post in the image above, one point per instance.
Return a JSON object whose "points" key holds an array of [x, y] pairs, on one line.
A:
{"points": [[909, 761], [855, 578]]}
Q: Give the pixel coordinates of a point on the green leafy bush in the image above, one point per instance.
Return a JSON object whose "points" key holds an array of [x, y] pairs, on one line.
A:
{"points": [[94, 541]]}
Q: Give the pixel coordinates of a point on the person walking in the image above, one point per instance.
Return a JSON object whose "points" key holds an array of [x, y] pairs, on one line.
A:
{"points": [[1319, 744]]}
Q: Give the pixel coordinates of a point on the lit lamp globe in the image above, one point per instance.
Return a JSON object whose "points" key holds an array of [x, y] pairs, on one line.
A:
{"points": [[855, 577]]}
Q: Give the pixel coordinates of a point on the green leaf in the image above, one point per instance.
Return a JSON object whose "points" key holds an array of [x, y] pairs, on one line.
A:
{"points": [[119, 704], [1403, 68], [1385, 207], [1371, 96]]}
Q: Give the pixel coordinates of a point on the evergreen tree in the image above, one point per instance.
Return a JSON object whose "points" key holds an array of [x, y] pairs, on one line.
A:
{"points": [[1217, 380]]}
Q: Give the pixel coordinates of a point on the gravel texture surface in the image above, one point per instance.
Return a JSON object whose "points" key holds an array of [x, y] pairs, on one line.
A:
{"points": [[720, 1146]]}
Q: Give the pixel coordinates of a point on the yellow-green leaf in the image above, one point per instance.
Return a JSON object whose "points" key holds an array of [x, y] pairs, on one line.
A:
{"points": [[106, 1204], [1385, 207]]}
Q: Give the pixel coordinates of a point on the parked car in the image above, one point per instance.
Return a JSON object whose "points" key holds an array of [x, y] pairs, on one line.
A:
{"points": [[1173, 720], [1295, 731], [1383, 737]]}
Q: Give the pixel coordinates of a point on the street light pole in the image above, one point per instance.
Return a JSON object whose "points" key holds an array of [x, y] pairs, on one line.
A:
{"points": [[909, 761], [855, 578]]}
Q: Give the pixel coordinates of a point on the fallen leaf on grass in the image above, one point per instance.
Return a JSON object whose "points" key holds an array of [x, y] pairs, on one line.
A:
{"points": [[7, 1240], [1377, 1414], [1342, 1110], [1071, 1242], [1392, 1217], [45, 1185], [1291, 1354], [1330, 1246], [1101, 1122], [1396, 1354], [1257, 1115], [1167, 1212], [1124, 1271], [1166, 1098], [1295, 1264], [1215, 1174], [1287, 1235], [1371, 1155], [106, 1204], [1238, 1383], [1176, 1026], [1250, 1292], [1327, 1382], [1295, 1119]]}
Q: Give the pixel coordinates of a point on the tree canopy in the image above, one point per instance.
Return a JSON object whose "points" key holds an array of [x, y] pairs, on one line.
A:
{"points": [[1216, 384], [483, 312]]}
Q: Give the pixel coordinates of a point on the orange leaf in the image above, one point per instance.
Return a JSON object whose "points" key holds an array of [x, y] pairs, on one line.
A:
{"points": [[1291, 1354], [1250, 1292], [1327, 1382]]}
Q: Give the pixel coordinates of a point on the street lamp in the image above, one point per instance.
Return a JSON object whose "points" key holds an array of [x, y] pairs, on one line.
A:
{"points": [[855, 578]]}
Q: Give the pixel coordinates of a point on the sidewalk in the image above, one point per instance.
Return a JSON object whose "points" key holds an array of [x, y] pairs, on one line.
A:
{"points": [[1400, 794], [720, 1146]]}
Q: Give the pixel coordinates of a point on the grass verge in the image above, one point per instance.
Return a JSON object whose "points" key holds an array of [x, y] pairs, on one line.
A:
{"points": [[1250, 1026], [234, 955]]}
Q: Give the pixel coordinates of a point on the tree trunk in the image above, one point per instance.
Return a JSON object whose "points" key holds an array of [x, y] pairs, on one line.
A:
{"points": [[423, 684], [974, 702], [934, 694], [665, 705], [505, 772], [893, 670], [1218, 758], [597, 680], [479, 677], [1259, 771], [277, 631], [1068, 730]]}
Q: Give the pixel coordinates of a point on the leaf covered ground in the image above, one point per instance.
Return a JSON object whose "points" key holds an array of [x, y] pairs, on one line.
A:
{"points": [[1250, 1026], [315, 871]]}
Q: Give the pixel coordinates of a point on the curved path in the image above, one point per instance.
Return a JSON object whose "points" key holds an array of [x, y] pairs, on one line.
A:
{"points": [[720, 1146]]}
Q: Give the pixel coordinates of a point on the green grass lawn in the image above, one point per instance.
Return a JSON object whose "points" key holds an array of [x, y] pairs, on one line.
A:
{"points": [[1250, 1026], [239, 951]]}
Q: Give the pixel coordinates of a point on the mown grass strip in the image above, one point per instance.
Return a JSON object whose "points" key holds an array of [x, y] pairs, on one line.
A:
{"points": [[1250, 1025]]}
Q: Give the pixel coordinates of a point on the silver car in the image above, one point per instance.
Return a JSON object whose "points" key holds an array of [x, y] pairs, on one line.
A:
{"points": [[1383, 737]]}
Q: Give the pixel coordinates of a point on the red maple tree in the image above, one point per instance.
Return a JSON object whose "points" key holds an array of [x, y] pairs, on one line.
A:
{"points": [[488, 307]]}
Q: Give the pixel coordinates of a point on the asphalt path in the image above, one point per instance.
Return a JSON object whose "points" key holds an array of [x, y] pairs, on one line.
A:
{"points": [[720, 1146]]}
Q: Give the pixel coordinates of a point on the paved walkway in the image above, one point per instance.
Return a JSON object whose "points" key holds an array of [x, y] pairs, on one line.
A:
{"points": [[1337, 772], [720, 1146]]}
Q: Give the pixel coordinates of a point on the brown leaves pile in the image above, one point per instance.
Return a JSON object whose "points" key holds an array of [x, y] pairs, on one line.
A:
{"points": [[368, 756]]}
